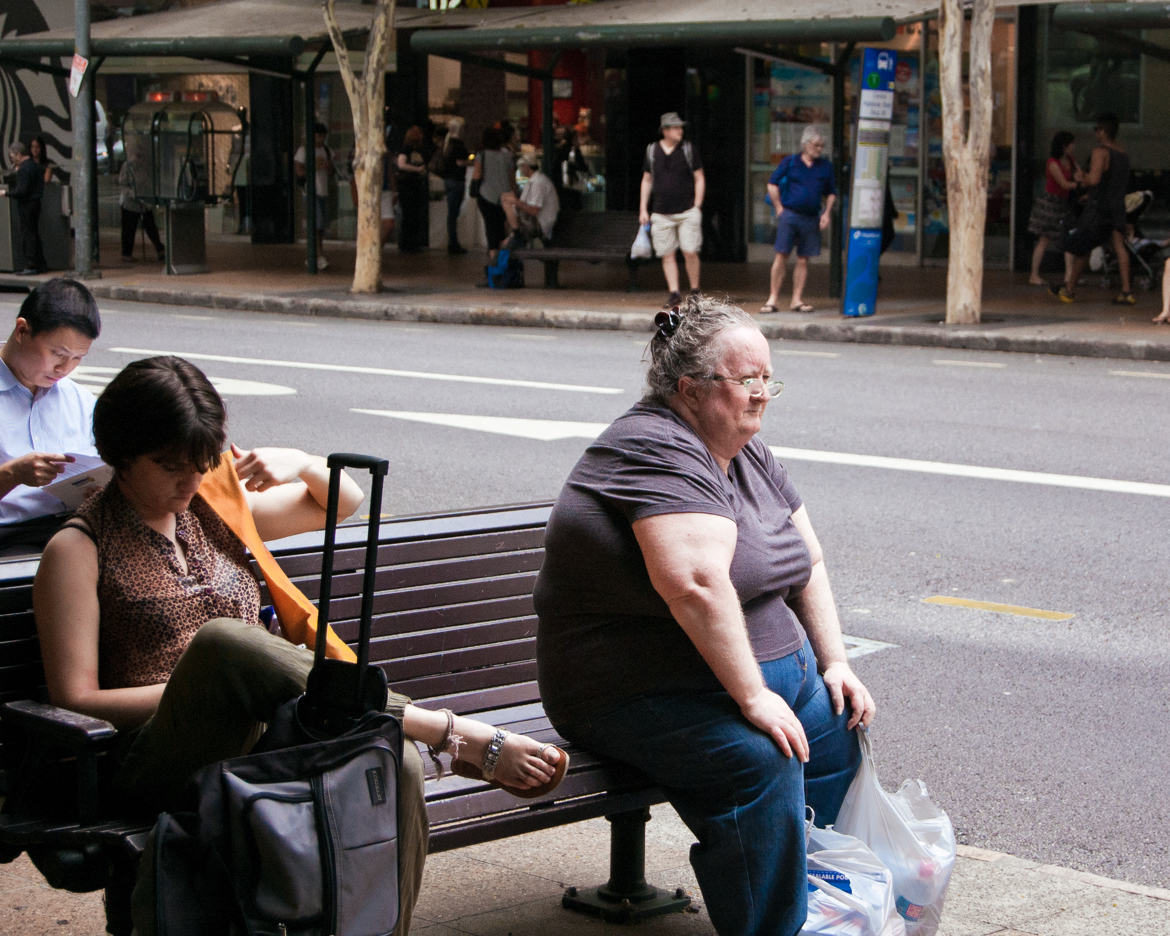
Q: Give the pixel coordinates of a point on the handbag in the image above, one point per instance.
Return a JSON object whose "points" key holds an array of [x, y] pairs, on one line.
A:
{"points": [[642, 248], [911, 835]]}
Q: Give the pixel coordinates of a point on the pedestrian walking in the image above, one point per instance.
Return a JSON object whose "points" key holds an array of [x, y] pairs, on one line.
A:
{"points": [[494, 174], [322, 172], [411, 177], [450, 163], [27, 191], [1050, 212], [1102, 221], [673, 186], [132, 175], [798, 188]]}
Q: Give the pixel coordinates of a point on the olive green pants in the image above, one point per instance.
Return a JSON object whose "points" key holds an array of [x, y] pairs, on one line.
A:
{"points": [[226, 685]]}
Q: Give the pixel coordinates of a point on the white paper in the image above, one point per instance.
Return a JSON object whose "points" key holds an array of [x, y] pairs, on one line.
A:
{"points": [[81, 477]]}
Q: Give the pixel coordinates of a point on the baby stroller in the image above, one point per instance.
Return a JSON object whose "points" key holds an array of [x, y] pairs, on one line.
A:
{"points": [[1146, 258]]}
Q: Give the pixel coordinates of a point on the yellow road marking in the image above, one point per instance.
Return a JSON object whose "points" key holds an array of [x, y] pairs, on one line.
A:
{"points": [[998, 608]]}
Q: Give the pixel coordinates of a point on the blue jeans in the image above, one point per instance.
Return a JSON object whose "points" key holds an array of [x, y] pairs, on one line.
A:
{"points": [[736, 791]]}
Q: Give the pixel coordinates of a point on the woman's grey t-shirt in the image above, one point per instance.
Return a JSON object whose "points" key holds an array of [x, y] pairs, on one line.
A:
{"points": [[605, 635], [499, 171]]}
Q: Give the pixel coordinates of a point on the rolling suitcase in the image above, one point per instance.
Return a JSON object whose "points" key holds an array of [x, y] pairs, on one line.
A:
{"points": [[300, 837]]}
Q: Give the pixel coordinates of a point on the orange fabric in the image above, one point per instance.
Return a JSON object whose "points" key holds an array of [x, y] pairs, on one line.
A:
{"points": [[297, 615]]}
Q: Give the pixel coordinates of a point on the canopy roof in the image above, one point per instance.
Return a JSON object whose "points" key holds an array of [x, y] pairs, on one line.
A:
{"points": [[230, 27]]}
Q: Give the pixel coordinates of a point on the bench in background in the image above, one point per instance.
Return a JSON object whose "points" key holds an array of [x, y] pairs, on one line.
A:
{"points": [[592, 236]]}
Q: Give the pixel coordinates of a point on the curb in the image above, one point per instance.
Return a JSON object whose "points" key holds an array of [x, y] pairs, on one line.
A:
{"points": [[1069, 874], [387, 309]]}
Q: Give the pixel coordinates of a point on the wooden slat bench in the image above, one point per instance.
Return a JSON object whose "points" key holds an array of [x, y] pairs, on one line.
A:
{"points": [[592, 236], [453, 626]]}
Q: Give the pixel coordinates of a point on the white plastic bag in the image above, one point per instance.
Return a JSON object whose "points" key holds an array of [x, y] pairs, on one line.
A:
{"points": [[642, 249], [910, 834], [850, 892]]}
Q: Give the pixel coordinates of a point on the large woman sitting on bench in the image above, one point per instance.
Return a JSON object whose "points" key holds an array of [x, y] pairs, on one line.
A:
{"points": [[148, 614]]}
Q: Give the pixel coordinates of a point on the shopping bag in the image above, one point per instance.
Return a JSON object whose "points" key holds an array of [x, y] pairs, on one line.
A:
{"points": [[642, 249], [850, 892], [911, 835]]}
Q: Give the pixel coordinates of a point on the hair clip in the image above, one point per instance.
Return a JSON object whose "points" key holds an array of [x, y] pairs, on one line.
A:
{"points": [[667, 321]]}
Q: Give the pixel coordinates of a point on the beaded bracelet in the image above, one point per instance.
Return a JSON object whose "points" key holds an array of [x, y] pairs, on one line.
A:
{"points": [[449, 740], [491, 755]]}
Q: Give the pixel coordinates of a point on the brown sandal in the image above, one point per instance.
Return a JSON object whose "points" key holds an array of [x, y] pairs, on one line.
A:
{"points": [[492, 755]]}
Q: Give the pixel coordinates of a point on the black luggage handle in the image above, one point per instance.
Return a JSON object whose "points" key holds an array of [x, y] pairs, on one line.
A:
{"points": [[378, 468]]}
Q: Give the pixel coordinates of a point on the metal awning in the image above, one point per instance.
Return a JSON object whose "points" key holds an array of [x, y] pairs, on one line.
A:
{"points": [[230, 28], [641, 23]]}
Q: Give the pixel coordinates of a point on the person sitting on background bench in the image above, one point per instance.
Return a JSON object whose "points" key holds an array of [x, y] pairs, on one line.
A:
{"points": [[43, 414], [687, 626], [148, 614], [534, 213]]}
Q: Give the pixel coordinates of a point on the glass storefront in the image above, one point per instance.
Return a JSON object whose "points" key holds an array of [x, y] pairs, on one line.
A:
{"points": [[786, 96]]}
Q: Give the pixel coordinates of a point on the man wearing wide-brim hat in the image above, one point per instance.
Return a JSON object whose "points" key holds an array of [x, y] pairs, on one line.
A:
{"points": [[673, 186]]}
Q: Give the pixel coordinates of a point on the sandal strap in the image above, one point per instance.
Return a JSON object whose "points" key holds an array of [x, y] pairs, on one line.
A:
{"points": [[491, 755]]}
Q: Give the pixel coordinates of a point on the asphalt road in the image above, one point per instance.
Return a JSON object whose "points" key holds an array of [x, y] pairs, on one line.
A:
{"points": [[1043, 735]]}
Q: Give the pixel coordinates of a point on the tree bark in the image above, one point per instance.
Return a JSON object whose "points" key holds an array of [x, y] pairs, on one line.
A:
{"points": [[367, 97], [966, 151]]}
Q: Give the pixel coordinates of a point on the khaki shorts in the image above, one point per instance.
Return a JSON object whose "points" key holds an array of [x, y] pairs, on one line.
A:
{"points": [[670, 232]]}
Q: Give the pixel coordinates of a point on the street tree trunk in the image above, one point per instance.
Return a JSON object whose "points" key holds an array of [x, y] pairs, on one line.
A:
{"points": [[367, 97], [966, 151]]}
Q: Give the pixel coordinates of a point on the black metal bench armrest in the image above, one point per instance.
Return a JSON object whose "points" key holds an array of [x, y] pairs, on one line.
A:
{"points": [[71, 730]]}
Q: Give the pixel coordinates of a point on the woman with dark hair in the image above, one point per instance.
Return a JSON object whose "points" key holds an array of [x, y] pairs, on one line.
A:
{"points": [[1049, 216], [687, 626], [412, 193], [494, 174], [40, 155], [148, 614]]}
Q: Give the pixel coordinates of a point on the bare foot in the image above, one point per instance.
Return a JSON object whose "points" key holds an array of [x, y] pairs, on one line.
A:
{"points": [[1036, 281], [1161, 319], [523, 762]]}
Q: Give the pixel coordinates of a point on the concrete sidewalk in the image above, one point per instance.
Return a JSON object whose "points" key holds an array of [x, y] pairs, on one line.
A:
{"points": [[436, 288], [513, 888]]}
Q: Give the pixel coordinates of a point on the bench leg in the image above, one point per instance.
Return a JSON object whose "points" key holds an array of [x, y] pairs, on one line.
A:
{"points": [[551, 270], [632, 267], [626, 898]]}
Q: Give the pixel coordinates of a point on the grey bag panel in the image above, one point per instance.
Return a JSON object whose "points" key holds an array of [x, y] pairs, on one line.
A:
{"points": [[361, 802], [274, 835]]}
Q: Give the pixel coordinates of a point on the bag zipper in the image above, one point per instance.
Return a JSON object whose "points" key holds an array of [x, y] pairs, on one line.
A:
{"points": [[328, 858]]}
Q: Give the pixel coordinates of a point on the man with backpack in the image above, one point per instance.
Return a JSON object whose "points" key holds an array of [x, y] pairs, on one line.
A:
{"points": [[798, 188], [673, 186]]}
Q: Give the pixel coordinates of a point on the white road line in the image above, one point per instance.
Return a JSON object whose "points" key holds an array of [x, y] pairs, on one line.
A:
{"points": [[974, 471], [95, 378], [947, 362], [792, 352], [378, 371], [544, 430], [1140, 373], [863, 646], [190, 317]]}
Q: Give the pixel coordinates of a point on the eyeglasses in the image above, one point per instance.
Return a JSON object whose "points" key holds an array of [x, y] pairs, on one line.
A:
{"points": [[755, 386]]}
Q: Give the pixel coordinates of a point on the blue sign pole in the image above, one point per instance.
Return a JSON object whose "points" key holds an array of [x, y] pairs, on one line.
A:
{"points": [[867, 193]]}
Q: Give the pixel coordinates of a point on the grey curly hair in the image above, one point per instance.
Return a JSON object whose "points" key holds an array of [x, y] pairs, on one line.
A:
{"points": [[692, 350]]}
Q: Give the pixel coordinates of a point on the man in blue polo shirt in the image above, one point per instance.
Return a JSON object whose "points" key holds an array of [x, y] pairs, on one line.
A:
{"points": [[797, 188]]}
